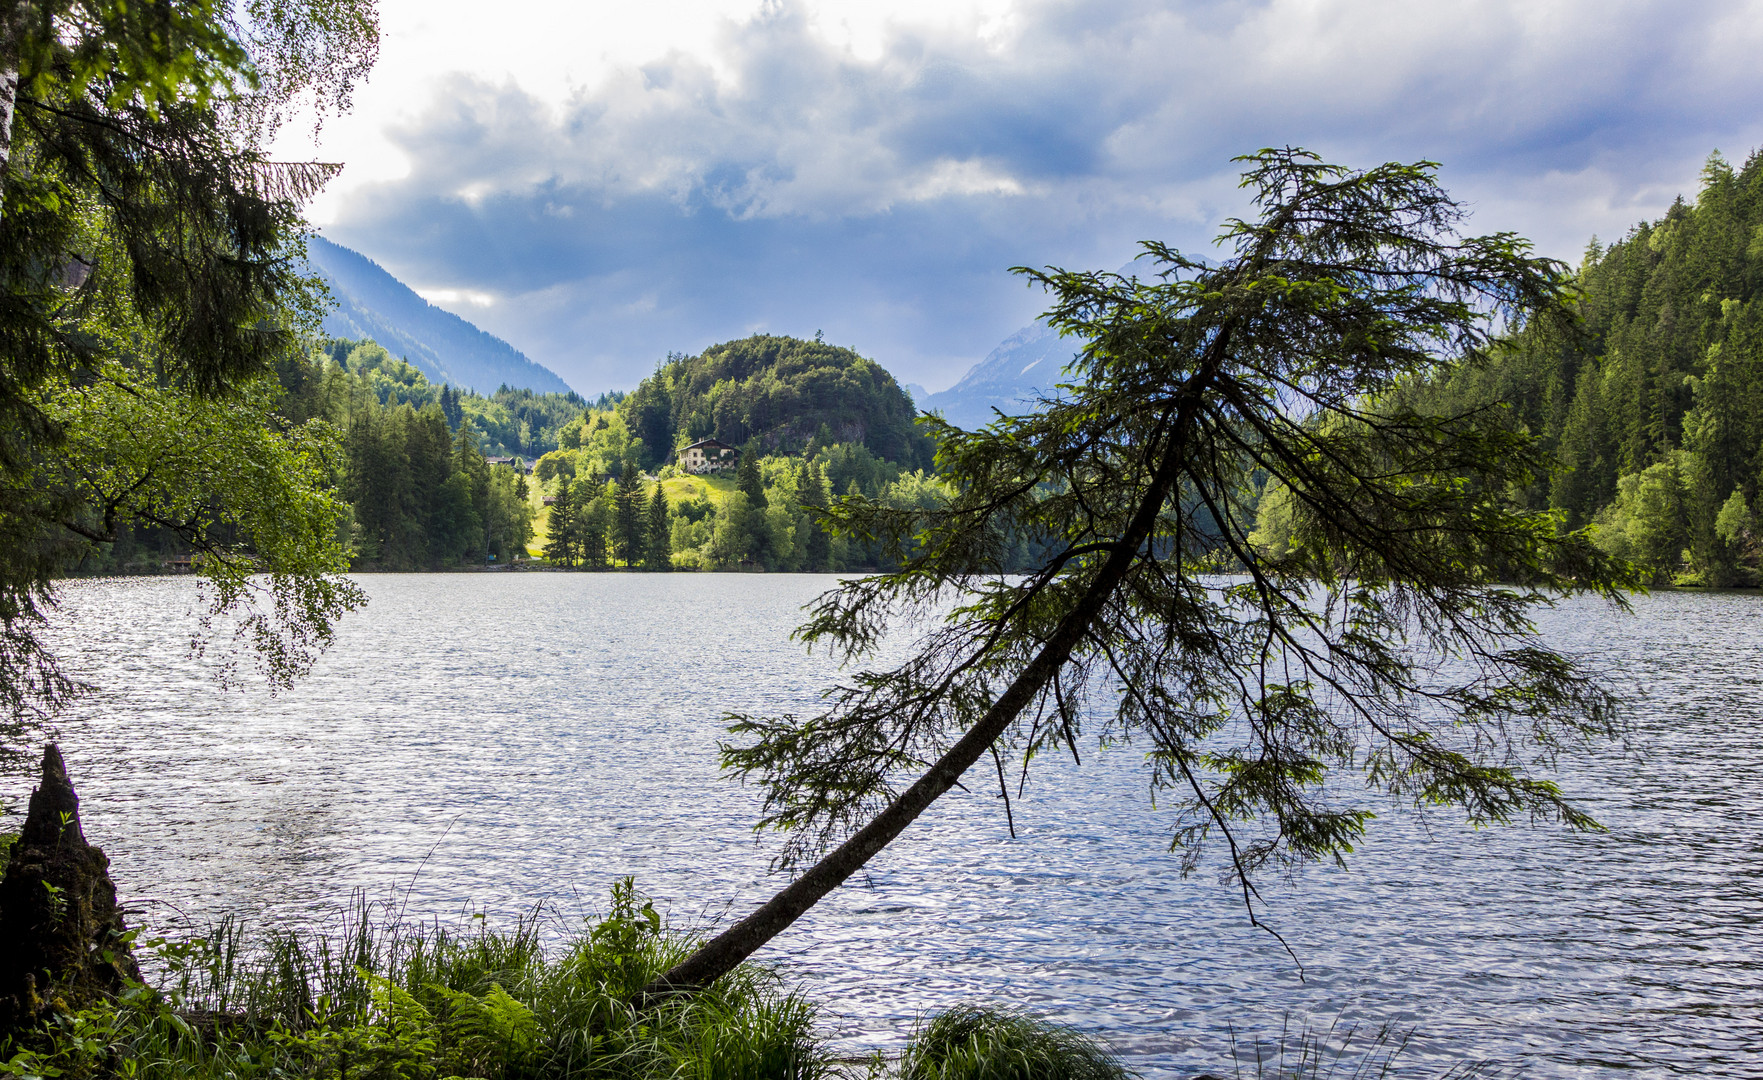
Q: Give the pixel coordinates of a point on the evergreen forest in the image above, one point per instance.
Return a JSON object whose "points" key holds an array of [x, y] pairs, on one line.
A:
{"points": [[1653, 403]]}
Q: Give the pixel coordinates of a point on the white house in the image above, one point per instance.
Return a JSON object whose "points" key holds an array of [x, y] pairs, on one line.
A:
{"points": [[706, 455]]}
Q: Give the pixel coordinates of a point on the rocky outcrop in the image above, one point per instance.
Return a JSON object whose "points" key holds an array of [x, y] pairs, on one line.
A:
{"points": [[64, 937]]}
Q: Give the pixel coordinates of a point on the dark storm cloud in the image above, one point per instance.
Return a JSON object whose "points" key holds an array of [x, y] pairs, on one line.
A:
{"points": [[798, 188]]}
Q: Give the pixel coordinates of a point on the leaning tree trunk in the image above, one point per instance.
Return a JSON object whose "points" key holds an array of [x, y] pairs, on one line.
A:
{"points": [[723, 953]]}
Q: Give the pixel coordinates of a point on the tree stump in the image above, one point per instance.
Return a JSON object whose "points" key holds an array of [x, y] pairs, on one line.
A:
{"points": [[63, 935]]}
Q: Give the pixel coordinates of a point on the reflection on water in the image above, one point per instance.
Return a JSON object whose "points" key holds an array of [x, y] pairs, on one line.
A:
{"points": [[486, 741]]}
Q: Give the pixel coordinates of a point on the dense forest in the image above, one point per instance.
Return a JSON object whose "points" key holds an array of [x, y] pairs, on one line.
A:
{"points": [[413, 468], [762, 518], [780, 393], [421, 467], [337, 381], [1654, 404]]}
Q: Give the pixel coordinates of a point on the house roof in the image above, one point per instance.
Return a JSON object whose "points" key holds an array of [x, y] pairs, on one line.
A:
{"points": [[707, 444]]}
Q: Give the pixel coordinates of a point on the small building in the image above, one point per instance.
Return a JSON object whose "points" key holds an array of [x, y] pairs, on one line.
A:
{"points": [[706, 455]]}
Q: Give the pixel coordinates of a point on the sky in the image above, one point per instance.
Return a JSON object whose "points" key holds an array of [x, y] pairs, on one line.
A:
{"points": [[604, 183]]}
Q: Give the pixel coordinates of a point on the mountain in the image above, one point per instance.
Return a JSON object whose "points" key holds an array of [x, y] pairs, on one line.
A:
{"points": [[1025, 366], [445, 348]]}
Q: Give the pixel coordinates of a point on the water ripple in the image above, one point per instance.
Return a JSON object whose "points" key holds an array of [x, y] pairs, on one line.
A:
{"points": [[487, 741]]}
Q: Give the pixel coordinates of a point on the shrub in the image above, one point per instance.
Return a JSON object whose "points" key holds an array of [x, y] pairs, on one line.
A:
{"points": [[971, 1042]]}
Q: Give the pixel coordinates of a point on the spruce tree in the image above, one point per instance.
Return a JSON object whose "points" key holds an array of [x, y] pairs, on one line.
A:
{"points": [[468, 461], [561, 541], [660, 552], [628, 521], [747, 476], [1377, 650], [811, 492]]}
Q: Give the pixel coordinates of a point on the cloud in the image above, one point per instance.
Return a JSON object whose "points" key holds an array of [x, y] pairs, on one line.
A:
{"points": [[877, 185]]}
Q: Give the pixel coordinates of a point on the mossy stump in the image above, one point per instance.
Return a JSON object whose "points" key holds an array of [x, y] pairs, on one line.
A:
{"points": [[65, 943]]}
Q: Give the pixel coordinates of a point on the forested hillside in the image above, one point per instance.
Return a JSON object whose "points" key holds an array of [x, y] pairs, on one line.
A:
{"points": [[779, 392], [422, 495], [420, 491], [1655, 406], [341, 377], [413, 466], [374, 305]]}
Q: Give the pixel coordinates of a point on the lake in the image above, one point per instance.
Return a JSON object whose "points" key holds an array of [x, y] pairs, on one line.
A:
{"points": [[483, 742]]}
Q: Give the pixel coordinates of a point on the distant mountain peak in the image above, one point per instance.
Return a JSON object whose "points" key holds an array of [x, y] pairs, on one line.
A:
{"points": [[1003, 381], [371, 303]]}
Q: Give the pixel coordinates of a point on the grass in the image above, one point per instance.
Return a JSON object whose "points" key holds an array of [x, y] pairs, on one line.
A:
{"points": [[682, 488], [971, 1042], [384, 1001], [1342, 1051]]}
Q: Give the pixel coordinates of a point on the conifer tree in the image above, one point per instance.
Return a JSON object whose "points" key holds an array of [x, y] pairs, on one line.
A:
{"points": [[660, 536], [561, 540], [450, 407], [811, 493], [1377, 648], [747, 476], [469, 459], [628, 522]]}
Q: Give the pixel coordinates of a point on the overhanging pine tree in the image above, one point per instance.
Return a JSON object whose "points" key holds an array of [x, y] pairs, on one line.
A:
{"points": [[1375, 642]]}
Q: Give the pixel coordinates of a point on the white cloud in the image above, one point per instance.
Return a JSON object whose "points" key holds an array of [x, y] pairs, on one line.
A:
{"points": [[945, 177], [450, 298]]}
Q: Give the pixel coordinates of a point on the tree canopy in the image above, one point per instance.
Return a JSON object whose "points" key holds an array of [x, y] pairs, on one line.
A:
{"points": [[1654, 403], [1378, 650], [780, 391], [149, 280]]}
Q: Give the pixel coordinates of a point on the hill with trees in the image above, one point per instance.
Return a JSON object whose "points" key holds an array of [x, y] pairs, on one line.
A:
{"points": [[424, 491], [337, 378], [1654, 405], [763, 517], [782, 394]]}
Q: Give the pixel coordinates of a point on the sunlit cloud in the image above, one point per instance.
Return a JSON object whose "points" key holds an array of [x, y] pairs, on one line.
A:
{"points": [[454, 298]]}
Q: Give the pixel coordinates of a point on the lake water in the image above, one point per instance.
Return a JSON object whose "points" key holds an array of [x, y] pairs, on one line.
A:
{"points": [[483, 742]]}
